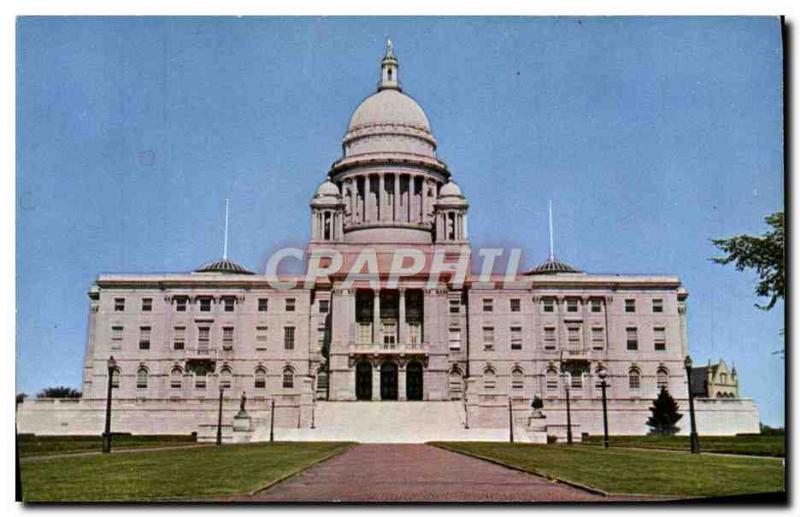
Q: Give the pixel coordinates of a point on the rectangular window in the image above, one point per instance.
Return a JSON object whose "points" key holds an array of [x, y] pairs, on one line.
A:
{"points": [[597, 305], [200, 381], [119, 304], [488, 338], [144, 338], [225, 382], [488, 305], [227, 338], [574, 336], [289, 304], [413, 333], [632, 338], [572, 305], [516, 305], [598, 338], [228, 304], [659, 338], [261, 337], [516, 338], [147, 304], [454, 338], [203, 336], [549, 338], [548, 305], [321, 331], [180, 304], [364, 333], [263, 304], [205, 304], [179, 338], [455, 306], [324, 306], [658, 305], [288, 338], [630, 305], [576, 381], [116, 337], [551, 381]]}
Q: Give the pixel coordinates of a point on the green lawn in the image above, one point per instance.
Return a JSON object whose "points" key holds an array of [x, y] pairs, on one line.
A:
{"points": [[195, 473], [30, 445], [625, 471], [758, 445]]}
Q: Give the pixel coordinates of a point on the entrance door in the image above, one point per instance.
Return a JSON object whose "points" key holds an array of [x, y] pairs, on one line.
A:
{"points": [[364, 381], [389, 381], [414, 381]]}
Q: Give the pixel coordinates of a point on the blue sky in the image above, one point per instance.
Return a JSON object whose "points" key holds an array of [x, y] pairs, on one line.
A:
{"points": [[651, 135]]}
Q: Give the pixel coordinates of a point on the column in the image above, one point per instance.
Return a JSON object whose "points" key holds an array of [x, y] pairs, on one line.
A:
{"points": [[376, 316], [381, 197], [401, 324], [411, 199], [396, 215], [376, 381], [314, 225], [401, 382]]}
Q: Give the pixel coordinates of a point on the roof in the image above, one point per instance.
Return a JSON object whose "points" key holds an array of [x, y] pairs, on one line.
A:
{"points": [[552, 266], [224, 266]]}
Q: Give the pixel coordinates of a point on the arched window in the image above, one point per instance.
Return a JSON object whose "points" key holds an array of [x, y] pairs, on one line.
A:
{"points": [[517, 379], [489, 379], [260, 378], [225, 377], [141, 378], [288, 377], [115, 374], [322, 382], [634, 379], [662, 379], [176, 378], [551, 380], [456, 384]]}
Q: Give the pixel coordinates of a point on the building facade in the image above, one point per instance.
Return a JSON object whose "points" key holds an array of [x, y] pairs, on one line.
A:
{"points": [[483, 344]]}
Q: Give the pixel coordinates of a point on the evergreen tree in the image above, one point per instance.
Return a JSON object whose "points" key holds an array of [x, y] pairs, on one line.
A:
{"points": [[664, 414]]}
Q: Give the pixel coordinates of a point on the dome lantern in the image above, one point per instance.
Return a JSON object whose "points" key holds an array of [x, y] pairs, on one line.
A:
{"points": [[389, 68]]}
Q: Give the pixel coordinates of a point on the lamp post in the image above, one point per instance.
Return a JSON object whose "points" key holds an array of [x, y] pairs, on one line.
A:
{"points": [[603, 386], [565, 378], [313, 410], [510, 422], [695, 441], [112, 366], [272, 421], [219, 417]]}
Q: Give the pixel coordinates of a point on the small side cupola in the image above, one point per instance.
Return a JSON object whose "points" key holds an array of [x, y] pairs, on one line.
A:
{"points": [[389, 70]]}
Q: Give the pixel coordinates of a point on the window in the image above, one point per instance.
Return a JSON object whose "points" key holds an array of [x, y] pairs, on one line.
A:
{"points": [[574, 336], [549, 338], [225, 376], [263, 304], [289, 304], [551, 380], [116, 337], [516, 338], [180, 304], [488, 338], [723, 378], [634, 380], [203, 336], [288, 378], [456, 384], [176, 378], [228, 303], [364, 333], [115, 373], [455, 306], [572, 305], [141, 378], [517, 379], [662, 379], [227, 338], [119, 304], [576, 381], [630, 305], [288, 338], [488, 305], [659, 338], [516, 305], [260, 379], [261, 337], [489, 379], [321, 334], [324, 306], [598, 339], [597, 305], [658, 305], [454, 338], [179, 338], [632, 339], [200, 380], [413, 333], [144, 338], [147, 304], [548, 305], [205, 304]]}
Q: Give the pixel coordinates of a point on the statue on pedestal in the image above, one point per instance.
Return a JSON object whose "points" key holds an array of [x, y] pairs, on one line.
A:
{"points": [[243, 402]]}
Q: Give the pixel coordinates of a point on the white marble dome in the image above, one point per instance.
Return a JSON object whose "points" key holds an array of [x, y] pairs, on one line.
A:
{"points": [[389, 107], [449, 189]]}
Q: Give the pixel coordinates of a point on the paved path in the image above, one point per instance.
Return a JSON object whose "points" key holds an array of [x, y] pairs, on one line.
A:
{"points": [[415, 473]]}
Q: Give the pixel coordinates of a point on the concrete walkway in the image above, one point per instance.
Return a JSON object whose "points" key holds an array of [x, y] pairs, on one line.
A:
{"points": [[415, 473]]}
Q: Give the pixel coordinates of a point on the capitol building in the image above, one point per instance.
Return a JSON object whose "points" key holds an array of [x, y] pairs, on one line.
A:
{"points": [[369, 359]]}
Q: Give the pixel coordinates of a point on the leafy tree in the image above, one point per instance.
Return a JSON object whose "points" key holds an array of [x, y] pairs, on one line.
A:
{"points": [[664, 414], [59, 392], [765, 254], [21, 397]]}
